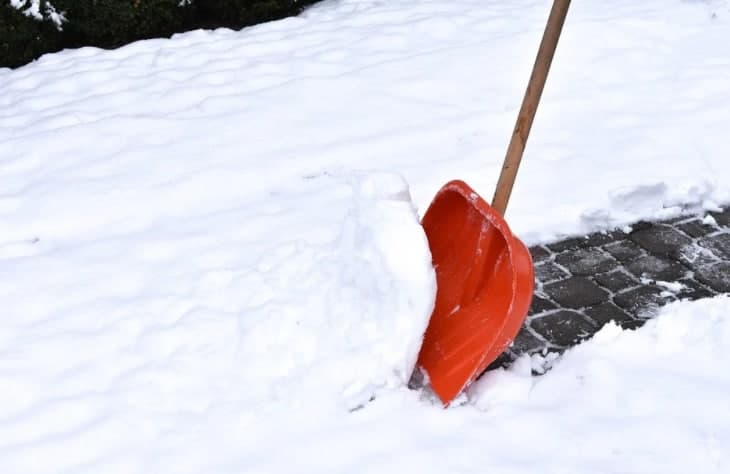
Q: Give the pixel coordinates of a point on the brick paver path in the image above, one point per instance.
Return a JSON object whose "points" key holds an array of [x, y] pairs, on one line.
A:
{"points": [[583, 283]]}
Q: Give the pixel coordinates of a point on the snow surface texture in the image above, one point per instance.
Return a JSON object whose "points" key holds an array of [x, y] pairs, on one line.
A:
{"points": [[650, 400], [632, 124], [200, 272]]}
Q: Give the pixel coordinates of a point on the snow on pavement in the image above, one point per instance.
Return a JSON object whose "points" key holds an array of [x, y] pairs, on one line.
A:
{"points": [[210, 259]]}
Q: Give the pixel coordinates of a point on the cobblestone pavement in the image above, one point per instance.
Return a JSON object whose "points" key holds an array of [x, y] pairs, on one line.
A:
{"points": [[583, 283]]}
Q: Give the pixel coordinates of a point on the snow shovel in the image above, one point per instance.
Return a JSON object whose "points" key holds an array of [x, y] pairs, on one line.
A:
{"points": [[485, 275]]}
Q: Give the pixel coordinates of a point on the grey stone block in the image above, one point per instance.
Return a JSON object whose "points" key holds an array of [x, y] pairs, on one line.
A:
{"points": [[588, 261], [539, 253], [540, 304], [719, 245], [722, 218], [567, 244], [547, 271], [716, 276], [526, 342], [695, 255], [641, 297], [694, 290], [656, 268], [590, 240], [606, 312], [696, 228], [616, 280], [633, 323], [624, 250], [563, 328], [576, 292], [661, 240]]}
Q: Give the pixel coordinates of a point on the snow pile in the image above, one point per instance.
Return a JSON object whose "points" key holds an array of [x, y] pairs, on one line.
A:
{"points": [[319, 300], [344, 318], [650, 400]]}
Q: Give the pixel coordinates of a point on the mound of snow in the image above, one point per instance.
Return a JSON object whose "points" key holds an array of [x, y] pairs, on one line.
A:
{"points": [[346, 317], [315, 297], [647, 400]]}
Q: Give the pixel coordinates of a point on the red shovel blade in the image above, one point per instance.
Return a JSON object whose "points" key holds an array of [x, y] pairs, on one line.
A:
{"points": [[485, 281]]}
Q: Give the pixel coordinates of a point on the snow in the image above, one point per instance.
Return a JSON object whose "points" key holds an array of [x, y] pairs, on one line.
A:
{"points": [[650, 400], [709, 220], [210, 257], [671, 286]]}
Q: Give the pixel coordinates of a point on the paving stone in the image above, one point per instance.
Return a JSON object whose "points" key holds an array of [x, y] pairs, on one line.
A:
{"points": [[541, 304], [526, 341], [602, 238], [616, 280], [719, 244], [563, 328], [624, 250], [584, 262], [591, 240], [722, 218], [693, 290], [641, 297], [633, 323], [641, 225], [661, 240], [576, 292], [656, 268], [606, 312], [696, 228], [505, 359], [547, 271], [539, 253], [567, 244], [695, 255], [716, 276]]}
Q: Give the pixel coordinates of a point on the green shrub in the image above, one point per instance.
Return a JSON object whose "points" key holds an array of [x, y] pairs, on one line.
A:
{"points": [[113, 23], [22, 39], [232, 13]]}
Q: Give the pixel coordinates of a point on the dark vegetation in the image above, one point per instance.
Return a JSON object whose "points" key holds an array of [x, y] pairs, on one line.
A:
{"points": [[114, 23]]}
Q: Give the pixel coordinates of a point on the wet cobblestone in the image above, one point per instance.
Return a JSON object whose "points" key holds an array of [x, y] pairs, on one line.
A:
{"points": [[583, 283]]}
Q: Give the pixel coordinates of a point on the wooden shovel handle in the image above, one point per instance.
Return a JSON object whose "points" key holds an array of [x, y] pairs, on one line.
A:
{"points": [[529, 104]]}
